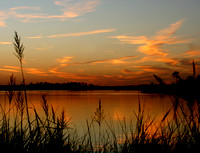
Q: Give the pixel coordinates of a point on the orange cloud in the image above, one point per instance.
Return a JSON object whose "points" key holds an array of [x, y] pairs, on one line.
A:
{"points": [[83, 33], [2, 23], [62, 62], [147, 68], [153, 45], [167, 60], [191, 53], [170, 61], [10, 69], [5, 43], [70, 76], [114, 61], [3, 16], [64, 59], [36, 71], [34, 37]]}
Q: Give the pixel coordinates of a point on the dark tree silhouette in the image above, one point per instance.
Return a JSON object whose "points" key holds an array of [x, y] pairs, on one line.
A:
{"points": [[176, 75]]}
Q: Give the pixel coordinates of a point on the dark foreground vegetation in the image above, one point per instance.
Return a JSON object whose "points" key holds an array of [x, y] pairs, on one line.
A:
{"points": [[23, 129], [178, 130], [185, 88]]}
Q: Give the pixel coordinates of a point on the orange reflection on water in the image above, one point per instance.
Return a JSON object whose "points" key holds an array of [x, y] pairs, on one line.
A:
{"points": [[80, 106]]}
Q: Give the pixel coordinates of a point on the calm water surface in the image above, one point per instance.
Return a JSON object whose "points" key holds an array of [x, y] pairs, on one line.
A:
{"points": [[81, 105]]}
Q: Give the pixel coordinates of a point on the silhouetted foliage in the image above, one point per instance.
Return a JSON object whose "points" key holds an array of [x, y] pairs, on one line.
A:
{"points": [[176, 75], [159, 79], [184, 88]]}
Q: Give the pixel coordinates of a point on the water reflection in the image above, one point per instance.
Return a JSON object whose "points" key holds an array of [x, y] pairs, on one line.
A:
{"points": [[81, 105]]}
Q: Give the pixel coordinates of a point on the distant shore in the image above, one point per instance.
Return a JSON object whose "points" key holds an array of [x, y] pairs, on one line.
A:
{"points": [[76, 86]]}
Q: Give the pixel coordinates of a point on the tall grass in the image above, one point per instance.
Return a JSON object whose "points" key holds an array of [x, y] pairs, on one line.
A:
{"points": [[19, 53]]}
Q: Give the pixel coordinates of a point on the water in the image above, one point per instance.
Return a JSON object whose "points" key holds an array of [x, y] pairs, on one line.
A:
{"points": [[81, 105]]}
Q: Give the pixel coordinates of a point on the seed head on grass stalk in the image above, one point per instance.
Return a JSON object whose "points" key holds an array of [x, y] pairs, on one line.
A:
{"points": [[19, 47], [19, 53], [99, 116]]}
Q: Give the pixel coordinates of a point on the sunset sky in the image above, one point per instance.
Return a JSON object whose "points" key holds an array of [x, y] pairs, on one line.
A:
{"points": [[103, 42]]}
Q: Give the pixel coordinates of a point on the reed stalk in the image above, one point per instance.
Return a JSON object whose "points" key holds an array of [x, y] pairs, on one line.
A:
{"points": [[19, 53]]}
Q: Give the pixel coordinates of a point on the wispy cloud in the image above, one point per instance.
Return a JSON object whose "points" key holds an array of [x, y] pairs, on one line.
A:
{"points": [[83, 33], [114, 61], [3, 16], [153, 45], [194, 50], [34, 37], [191, 53], [44, 47], [168, 60], [71, 76], [5, 43], [69, 9], [151, 69], [24, 8], [79, 8], [60, 64], [63, 61], [36, 71], [10, 69]]}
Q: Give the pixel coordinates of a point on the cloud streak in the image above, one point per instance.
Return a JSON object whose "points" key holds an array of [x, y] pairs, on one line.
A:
{"points": [[153, 45], [34, 37], [71, 76], [114, 61], [5, 43], [72, 10], [34, 71], [83, 33], [62, 62]]}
